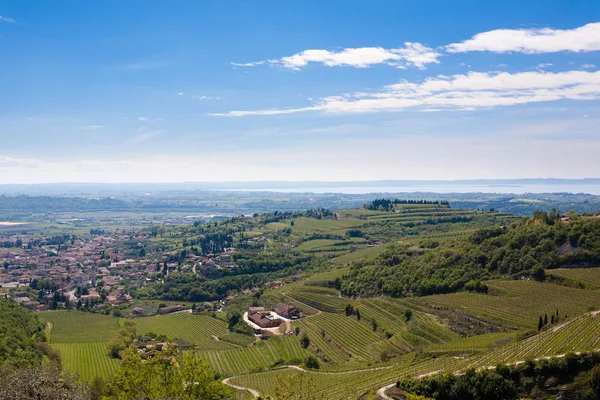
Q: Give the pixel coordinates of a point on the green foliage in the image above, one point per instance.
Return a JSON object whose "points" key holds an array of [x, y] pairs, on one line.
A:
{"points": [[122, 340], [167, 376], [20, 334], [233, 317], [48, 383], [305, 341], [312, 362], [534, 244], [507, 382], [539, 274]]}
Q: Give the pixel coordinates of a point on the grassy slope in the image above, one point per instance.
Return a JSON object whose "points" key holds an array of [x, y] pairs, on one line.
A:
{"points": [[519, 303]]}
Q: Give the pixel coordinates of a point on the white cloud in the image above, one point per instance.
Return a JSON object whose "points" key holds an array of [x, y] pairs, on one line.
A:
{"points": [[180, 94], [474, 90], [93, 127], [7, 20], [250, 64], [544, 65], [144, 119], [532, 41], [204, 97], [412, 54], [588, 66]]}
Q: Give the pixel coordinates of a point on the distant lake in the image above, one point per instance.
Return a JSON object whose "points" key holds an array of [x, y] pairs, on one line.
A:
{"points": [[516, 189]]}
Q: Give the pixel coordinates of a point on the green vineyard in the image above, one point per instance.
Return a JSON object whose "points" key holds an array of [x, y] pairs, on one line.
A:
{"points": [[89, 360], [576, 335], [260, 356], [201, 330]]}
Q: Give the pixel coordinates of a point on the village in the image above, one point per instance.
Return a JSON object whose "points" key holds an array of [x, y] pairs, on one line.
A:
{"points": [[96, 272]]}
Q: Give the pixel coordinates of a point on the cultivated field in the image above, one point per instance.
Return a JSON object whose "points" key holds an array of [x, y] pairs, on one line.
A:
{"points": [[579, 334], [518, 303], [89, 360], [81, 340], [201, 330], [587, 276]]}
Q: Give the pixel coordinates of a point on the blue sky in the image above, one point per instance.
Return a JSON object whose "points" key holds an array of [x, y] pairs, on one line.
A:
{"points": [[117, 91]]}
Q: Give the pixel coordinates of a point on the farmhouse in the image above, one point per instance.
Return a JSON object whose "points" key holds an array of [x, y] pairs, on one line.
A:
{"points": [[287, 311], [264, 319]]}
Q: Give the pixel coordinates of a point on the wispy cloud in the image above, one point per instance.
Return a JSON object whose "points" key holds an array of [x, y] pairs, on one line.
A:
{"points": [[148, 120], [249, 64], [93, 127], [412, 54], [588, 66], [471, 91], [532, 41], [204, 97], [7, 20]]}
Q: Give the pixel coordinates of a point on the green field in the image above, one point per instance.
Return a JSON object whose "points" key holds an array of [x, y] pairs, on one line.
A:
{"points": [[89, 360], [587, 276], [201, 330], [76, 327], [260, 356], [518, 303], [81, 340], [579, 334]]}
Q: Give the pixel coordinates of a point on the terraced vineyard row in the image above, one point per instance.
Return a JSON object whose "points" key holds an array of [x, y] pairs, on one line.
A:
{"points": [[473, 344], [327, 348], [352, 334], [261, 355], [89, 359], [320, 302], [198, 329], [519, 303], [578, 334]]}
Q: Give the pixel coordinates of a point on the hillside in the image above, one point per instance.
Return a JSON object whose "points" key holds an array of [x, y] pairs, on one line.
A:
{"points": [[392, 290], [21, 332], [529, 246]]}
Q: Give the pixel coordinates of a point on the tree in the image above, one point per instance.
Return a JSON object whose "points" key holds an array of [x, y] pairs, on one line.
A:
{"points": [[349, 309], [594, 381], [48, 382], [540, 323], [408, 314], [118, 344], [233, 318], [167, 375], [312, 362], [539, 274], [305, 341], [358, 314], [545, 319], [374, 324]]}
